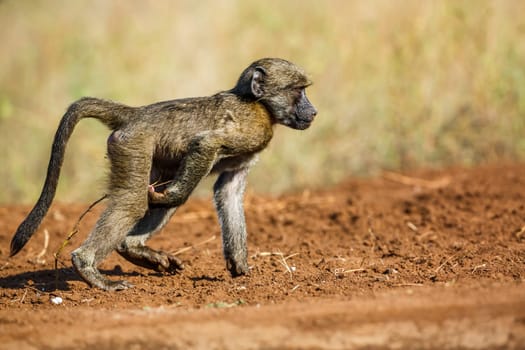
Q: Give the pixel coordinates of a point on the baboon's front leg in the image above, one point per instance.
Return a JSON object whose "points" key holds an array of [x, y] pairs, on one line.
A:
{"points": [[228, 196], [196, 165]]}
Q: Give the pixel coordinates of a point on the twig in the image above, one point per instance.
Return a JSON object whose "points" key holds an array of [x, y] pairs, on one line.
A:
{"points": [[157, 184], [267, 254], [412, 226], [73, 232], [290, 256], [342, 271], [353, 270], [275, 254], [446, 261], [23, 296], [479, 267], [424, 234], [38, 258], [185, 249], [286, 266], [283, 262]]}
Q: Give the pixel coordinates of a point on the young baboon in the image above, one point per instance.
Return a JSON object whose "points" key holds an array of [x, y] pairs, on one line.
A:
{"points": [[175, 144]]}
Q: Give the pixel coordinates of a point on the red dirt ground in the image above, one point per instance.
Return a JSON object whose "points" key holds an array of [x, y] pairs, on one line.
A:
{"points": [[390, 262]]}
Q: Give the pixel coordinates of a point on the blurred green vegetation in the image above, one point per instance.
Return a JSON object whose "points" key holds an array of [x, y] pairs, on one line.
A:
{"points": [[398, 84]]}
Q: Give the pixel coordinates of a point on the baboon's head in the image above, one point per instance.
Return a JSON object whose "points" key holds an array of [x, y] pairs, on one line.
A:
{"points": [[280, 86]]}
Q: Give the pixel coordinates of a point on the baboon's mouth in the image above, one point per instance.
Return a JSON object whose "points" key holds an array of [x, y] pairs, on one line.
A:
{"points": [[308, 120], [302, 123]]}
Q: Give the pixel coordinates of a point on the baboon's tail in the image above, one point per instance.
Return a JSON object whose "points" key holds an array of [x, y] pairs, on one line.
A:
{"points": [[112, 114]]}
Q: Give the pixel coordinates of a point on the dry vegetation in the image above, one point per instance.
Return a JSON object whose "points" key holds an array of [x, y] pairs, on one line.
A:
{"points": [[398, 84]]}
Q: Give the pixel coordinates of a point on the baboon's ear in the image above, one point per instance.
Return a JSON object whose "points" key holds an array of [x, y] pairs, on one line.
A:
{"points": [[258, 82]]}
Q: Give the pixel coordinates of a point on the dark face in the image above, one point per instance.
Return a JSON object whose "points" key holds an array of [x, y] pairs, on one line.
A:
{"points": [[302, 113], [280, 86], [291, 107]]}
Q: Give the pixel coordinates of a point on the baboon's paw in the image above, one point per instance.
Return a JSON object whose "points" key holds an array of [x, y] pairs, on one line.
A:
{"points": [[111, 286], [237, 268], [168, 263]]}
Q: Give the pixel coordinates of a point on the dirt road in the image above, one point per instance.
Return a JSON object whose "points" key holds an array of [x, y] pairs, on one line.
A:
{"points": [[435, 259]]}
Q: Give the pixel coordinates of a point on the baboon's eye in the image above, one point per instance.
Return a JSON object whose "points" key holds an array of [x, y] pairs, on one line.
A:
{"points": [[298, 91]]}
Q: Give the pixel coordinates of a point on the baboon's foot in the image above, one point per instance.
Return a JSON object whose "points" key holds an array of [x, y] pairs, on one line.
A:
{"points": [[152, 259], [237, 267], [110, 285], [94, 278]]}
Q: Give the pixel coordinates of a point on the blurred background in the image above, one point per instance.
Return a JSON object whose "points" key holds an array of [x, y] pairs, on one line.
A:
{"points": [[398, 84]]}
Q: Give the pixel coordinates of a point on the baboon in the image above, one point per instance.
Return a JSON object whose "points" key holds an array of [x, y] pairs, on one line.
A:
{"points": [[159, 153]]}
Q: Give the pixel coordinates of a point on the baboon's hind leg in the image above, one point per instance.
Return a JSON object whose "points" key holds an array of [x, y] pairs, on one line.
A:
{"points": [[107, 234], [134, 249], [128, 204]]}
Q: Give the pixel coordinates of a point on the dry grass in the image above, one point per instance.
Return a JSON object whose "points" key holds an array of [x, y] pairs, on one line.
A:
{"points": [[399, 84], [186, 249]]}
